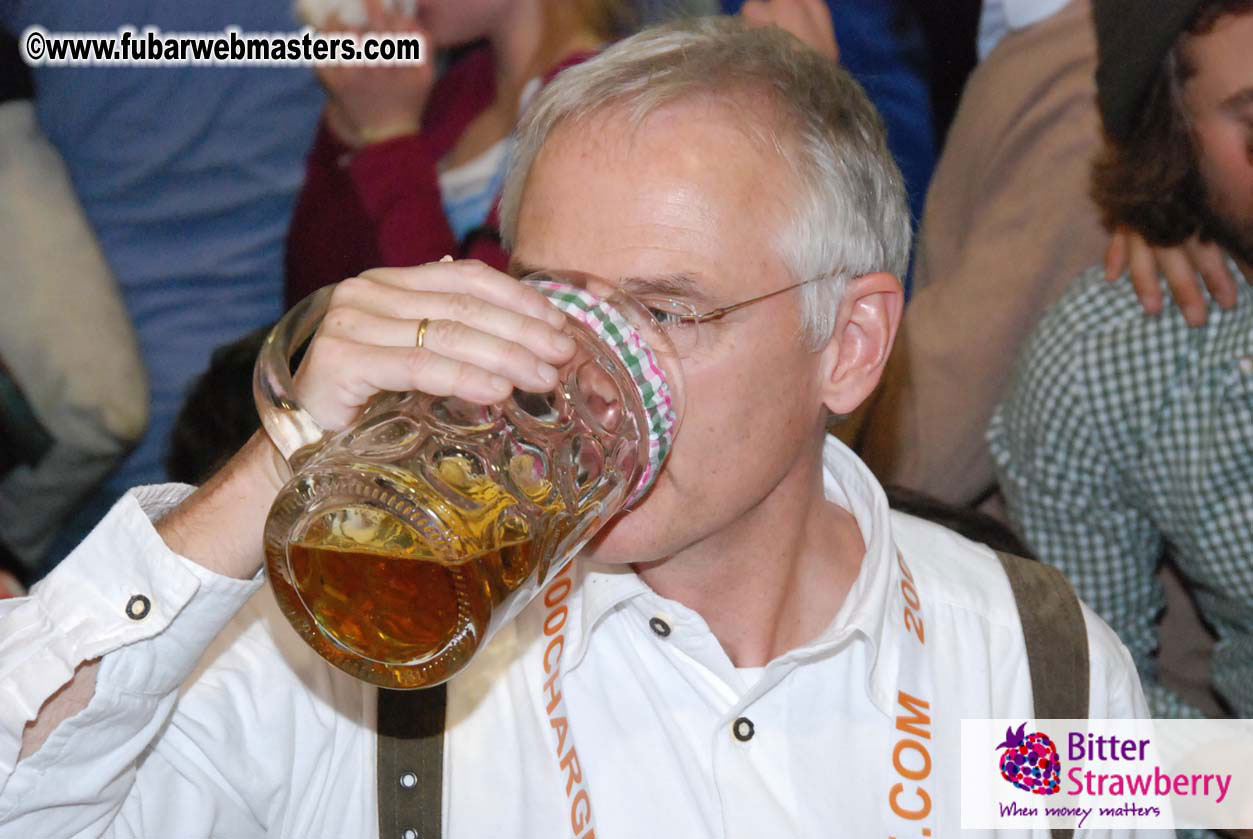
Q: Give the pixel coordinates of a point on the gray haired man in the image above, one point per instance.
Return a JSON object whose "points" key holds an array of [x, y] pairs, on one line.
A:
{"points": [[760, 648]]}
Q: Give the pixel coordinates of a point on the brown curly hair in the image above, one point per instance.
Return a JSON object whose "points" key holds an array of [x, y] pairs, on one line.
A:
{"points": [[1150, 181]]}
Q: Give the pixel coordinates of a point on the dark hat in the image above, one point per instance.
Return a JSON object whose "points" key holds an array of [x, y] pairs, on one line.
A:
{"points": [[1133, 37]]}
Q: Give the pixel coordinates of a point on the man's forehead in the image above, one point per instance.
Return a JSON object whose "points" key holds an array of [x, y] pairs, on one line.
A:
{"points": [[685, 203]]}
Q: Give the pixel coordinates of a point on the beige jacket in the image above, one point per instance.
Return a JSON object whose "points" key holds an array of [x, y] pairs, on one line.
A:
{"points": [[1008, 224], [65, 337]]}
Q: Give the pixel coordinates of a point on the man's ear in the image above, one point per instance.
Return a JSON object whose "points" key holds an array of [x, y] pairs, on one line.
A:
{"points": [[854, 357]]}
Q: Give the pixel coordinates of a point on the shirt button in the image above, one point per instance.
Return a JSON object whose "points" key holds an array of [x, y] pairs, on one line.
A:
{"points": [[408, 780], [742, 728], [408, 833], [659, 626], [138, 607]]}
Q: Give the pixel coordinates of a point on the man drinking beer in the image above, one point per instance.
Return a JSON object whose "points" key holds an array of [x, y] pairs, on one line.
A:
{"points": [[759, 648]]}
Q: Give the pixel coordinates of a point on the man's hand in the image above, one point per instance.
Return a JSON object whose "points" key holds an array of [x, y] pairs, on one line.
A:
{"points": [[487, 334], [370, 104], [1188, 269], [808, 20]]}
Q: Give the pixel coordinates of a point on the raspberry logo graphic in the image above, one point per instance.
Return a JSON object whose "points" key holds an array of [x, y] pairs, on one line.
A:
{"points": [[1030, 761]]}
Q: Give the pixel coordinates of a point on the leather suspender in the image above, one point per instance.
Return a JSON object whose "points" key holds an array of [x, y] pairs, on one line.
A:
{"points": [[411, 723], [1056, 640], [411, 762]]}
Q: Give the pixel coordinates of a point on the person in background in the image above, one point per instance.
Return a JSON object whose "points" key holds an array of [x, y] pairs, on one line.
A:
{"points": [[1122, 437], [407, 166], [1008, 221], [73, 390], [187, 176]]}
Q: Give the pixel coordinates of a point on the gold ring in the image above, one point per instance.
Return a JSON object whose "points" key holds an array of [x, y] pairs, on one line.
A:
{"points": [[422, 325]]}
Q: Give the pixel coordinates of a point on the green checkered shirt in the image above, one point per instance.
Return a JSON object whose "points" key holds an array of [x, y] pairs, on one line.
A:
{"points": [[1124, 436]]}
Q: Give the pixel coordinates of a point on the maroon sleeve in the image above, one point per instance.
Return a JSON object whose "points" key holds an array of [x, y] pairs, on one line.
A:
{"points": [[330, 236], [381, 205], [397, 182]]}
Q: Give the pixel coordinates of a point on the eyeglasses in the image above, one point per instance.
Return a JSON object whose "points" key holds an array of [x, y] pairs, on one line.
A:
{"points": [[681, 321], [682, 312]]}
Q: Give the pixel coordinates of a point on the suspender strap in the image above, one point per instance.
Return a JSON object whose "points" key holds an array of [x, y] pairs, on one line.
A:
{"points": [[1056, 639], [411, 762]]}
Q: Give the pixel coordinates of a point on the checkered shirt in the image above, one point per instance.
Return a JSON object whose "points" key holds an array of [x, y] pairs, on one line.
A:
{"points": [[1123, 437]]}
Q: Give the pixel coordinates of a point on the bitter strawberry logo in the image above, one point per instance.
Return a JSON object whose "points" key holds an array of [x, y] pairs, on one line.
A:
{"points": [[1030, 761]]}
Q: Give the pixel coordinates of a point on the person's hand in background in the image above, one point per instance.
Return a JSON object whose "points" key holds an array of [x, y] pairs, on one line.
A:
{"points": [[369, 104], [808, 20], [1189, 269]]}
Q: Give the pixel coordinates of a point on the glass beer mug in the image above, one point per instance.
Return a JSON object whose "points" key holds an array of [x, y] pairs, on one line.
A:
{"points": [[403, 542]]}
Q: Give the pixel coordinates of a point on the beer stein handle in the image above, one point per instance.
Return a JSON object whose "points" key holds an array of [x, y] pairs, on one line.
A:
{"points": [[289, 425]]}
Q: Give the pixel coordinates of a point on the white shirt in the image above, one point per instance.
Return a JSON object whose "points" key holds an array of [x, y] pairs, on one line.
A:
{"points": [[1001, 17], [265, 739]]}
